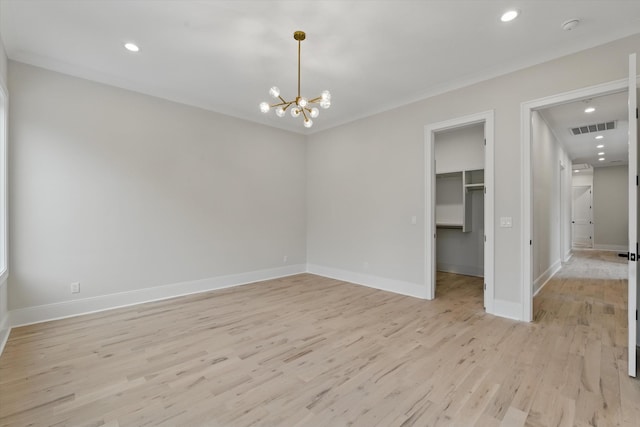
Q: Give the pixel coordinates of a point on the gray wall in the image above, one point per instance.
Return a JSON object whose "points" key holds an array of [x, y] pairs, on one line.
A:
{"points": [[550, 216], [459, 149], [611, 207], [122, 191], [366, 178], [463, 252]]}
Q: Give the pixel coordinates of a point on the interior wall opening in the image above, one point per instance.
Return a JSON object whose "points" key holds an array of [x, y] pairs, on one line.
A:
{"points": [[459, 212], [591, 273]]}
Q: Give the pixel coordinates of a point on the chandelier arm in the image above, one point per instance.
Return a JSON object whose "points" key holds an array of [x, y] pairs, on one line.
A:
{"points": [[287, 103], [282, 99], [315, 100], [304, 114]]}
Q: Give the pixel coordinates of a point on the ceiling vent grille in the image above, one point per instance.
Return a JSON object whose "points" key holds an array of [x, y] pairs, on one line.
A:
{"points": [[597, 127], [581, 166]]}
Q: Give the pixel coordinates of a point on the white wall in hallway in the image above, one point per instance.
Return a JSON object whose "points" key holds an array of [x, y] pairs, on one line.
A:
{"points": [[611, 208], [547, 157]]}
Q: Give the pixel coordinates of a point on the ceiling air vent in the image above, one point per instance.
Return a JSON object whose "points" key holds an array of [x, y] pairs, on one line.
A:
{"points": [[597, 127], [580, 166]]}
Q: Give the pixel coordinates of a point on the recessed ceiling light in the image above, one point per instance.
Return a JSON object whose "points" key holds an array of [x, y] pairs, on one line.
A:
{"points": [[600, 146], [131, 47], [601, 153], [599, 137], [589, 109], [509, 15], [601, 159], [577, 171]]}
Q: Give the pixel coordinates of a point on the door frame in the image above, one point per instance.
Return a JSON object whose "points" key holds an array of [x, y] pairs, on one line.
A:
{"points": [[590, 187], [486, 117], [564, 214], [632, 304], [526, 110]]}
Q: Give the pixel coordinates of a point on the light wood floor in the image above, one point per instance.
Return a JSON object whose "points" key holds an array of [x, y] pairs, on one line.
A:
{"points": [[311, 351]]}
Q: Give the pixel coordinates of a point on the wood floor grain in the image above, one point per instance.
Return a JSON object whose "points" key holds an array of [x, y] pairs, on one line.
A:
{"points": [[312, 351]]}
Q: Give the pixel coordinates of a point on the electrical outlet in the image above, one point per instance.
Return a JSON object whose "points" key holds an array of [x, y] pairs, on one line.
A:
{"points": [[75, 287]]}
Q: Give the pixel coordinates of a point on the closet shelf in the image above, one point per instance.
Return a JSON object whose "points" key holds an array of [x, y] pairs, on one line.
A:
{"points": [[453, 203], [479, 186], [448, 225]]}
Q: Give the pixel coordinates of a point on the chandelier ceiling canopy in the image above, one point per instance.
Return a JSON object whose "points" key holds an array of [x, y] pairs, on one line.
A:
{"points": [[300, 106]]}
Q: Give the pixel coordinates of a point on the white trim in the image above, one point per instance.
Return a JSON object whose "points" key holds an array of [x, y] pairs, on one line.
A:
{"points": [[43, 313], [508, 309], [4, 151], [526, 108], [376, 282], [544, 278], [4, 313], [632, 288], [611, 248], [486, 117], [568, 255], [4, 336]]}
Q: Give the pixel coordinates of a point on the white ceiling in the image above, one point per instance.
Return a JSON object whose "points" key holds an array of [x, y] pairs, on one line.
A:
{"points": [[373, 55], [583, 148]]}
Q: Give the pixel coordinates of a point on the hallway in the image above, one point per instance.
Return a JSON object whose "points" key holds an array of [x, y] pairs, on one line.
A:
{"points": [[585, 307]]}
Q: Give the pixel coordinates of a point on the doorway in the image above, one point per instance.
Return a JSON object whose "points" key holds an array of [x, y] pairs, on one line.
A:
{"points": [[527, 110], [467, 185], [581, 217]]}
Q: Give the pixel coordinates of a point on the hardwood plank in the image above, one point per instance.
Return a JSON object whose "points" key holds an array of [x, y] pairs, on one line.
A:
{"points": [[306, 350]]}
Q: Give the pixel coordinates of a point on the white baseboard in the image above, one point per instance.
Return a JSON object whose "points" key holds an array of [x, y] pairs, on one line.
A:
{"points": [[390, 285], [467, 270], [42, 313], [544, 278], [508, 309], [612, 248], [5, 330], [567, 256]]}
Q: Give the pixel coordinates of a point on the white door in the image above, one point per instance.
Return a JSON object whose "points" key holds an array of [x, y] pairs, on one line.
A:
{"points": [[581, 224], [633, 213]]}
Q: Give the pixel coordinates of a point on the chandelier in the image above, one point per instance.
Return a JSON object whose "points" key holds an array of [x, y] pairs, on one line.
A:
{"points": [[300, 106]]}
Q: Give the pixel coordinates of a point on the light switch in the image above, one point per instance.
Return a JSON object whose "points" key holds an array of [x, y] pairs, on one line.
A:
{"points": [[506, 222]]}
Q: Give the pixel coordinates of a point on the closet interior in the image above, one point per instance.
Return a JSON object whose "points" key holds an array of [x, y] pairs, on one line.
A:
{"points": [[459, 210]]}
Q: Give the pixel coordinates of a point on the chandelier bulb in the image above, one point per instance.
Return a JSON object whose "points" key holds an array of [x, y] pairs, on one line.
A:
{"points": [[274, 91], [264, 107], [308, 123], [314, 112], [280, 112], [325, 103], [295, 112], [302, 102], [325, 95]]}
